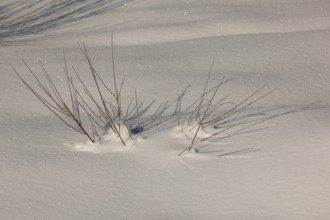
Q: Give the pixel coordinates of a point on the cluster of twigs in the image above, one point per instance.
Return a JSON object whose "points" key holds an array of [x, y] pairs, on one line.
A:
{"points": [[204, 112], [103, 110]]}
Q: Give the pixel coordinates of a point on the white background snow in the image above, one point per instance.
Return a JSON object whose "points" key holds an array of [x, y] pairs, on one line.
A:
{"points": [[163, 46]]}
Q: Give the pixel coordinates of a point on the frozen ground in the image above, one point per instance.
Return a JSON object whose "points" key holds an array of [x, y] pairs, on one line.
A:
{"points": [[162, 46]]}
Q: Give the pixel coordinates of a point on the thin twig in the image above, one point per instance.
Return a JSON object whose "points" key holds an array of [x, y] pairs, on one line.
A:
{"points": [[137, 114], [203, 94]]}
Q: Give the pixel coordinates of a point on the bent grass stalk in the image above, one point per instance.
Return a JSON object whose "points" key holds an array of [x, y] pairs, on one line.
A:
{"points": [[137, 114], [56, 104]]}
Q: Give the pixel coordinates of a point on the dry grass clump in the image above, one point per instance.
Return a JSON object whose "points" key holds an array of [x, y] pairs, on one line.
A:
{"points": [[204, 114], [103, 110], [210, 119]]}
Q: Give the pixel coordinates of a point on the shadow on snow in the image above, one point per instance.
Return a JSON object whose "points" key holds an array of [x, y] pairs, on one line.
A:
{"points": [[22, 18]]}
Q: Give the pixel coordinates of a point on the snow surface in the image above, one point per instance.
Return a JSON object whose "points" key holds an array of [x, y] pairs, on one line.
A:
{"points": [[163, 46]]}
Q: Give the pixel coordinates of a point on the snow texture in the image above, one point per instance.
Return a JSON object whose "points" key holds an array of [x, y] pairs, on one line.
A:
{"points": [[50, 172]]}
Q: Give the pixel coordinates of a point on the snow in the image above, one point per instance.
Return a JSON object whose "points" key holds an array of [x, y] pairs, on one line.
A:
{"points": [[50, 172]]}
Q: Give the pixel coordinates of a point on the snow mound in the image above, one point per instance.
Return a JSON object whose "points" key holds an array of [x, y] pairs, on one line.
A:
{"points": [[110, 142]]}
